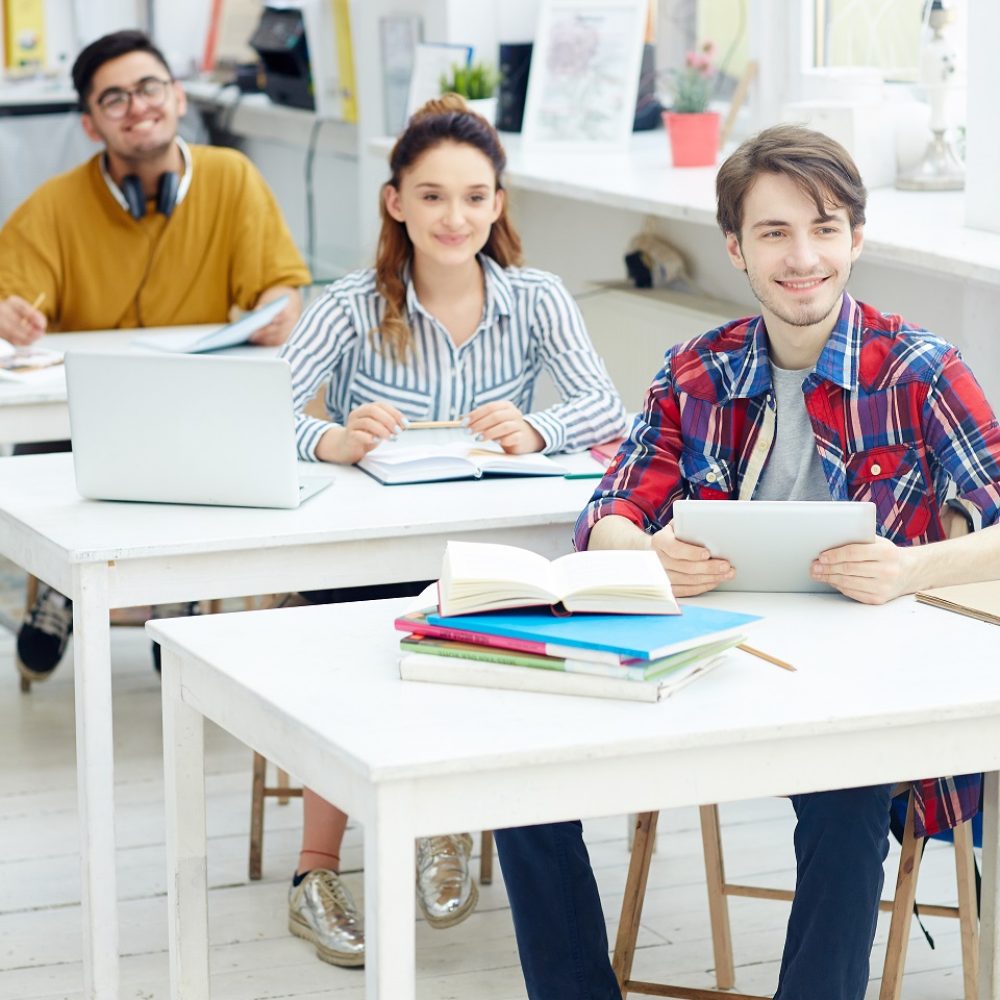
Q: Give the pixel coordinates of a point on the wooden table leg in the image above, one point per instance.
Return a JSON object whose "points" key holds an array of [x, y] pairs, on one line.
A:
{"points": [[989, 920]]}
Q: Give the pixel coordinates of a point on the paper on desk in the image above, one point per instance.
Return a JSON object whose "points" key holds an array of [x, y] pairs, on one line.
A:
{"points": [[17, 363], [230, 335]]}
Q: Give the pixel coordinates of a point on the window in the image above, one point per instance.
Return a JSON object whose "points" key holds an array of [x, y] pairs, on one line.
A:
{"points": [[881, 33]]}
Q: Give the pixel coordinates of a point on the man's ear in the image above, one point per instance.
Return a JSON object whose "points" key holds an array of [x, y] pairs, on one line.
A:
{"points": [[857, 242], [735, 252], [393, 205], [88, 127], [181, 99]]}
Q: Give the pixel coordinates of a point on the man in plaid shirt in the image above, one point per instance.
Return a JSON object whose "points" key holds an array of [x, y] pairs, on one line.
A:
{"points": [[869, 408]]}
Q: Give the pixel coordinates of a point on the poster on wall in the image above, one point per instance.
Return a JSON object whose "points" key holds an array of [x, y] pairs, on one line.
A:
{"points": [[584, 74]]}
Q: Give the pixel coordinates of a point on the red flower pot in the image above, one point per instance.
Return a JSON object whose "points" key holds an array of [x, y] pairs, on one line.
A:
{"points": [[694, 138]]}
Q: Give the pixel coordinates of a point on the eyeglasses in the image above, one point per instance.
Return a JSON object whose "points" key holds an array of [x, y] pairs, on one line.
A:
{"points": [[115, 103]]}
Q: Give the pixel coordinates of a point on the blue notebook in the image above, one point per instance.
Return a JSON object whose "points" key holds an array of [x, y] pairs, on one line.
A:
{"points": [[634, 637]]}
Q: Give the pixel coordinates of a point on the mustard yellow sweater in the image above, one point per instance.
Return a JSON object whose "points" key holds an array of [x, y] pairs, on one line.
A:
{"points": [[100, 269]]}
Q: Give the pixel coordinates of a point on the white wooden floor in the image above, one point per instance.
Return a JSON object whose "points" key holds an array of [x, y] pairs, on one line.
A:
{"points": [[254, 956]]}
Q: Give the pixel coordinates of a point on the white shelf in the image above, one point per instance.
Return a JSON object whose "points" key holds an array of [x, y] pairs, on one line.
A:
{"points": [[912, 230]]}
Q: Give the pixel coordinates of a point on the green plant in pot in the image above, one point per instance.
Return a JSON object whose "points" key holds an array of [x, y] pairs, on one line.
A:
{"points": [[477, 83]]}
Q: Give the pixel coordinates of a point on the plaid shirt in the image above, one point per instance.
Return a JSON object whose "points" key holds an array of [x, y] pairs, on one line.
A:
{"points": [[897, 415]]}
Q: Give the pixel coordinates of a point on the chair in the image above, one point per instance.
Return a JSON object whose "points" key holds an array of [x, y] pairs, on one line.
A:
{"points": [[901, 907], [282, 792]]}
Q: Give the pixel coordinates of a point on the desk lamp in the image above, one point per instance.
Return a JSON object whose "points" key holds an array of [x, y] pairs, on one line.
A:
{"points": [[940, 169]]}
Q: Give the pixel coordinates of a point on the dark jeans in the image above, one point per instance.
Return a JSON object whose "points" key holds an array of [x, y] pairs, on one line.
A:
{"points": [[841, 840]]}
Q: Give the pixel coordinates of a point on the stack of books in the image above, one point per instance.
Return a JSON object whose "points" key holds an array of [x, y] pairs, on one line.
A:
{"points": [[615, 632]]}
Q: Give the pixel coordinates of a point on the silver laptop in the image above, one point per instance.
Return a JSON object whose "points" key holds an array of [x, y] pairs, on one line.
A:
{"points": [[772, 543], [184, 429]]}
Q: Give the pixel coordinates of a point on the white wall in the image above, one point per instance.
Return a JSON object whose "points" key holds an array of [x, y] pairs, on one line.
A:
{"points": [[983, 147]]}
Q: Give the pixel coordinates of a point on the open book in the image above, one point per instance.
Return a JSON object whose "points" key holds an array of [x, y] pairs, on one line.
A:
{"points": [[477, 576], [238, 332], [436, 456]]}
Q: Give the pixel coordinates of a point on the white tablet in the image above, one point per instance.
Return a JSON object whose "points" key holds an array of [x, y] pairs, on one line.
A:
{"points": [[772, 543]]}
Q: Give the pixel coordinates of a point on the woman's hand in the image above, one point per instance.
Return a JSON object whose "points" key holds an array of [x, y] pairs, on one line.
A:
{"points": [[366, 428], [504, 423]]}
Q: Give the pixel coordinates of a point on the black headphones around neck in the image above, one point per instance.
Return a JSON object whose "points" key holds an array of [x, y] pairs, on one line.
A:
{"points": [[166, 194]]}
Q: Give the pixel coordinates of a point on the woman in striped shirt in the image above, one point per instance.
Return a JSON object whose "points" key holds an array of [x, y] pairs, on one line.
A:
{"points": [[447, 325]]}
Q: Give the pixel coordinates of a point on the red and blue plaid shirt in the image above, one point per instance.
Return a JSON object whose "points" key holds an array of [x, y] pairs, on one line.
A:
{"points": [[898, 418]]}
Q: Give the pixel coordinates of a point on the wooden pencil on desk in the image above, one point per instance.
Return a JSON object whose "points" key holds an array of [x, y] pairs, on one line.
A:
{"points": [[765, 656], [426, 425]]}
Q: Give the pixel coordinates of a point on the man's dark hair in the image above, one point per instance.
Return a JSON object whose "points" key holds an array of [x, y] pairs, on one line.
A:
{"points": [[821, 167], [96, 54]]}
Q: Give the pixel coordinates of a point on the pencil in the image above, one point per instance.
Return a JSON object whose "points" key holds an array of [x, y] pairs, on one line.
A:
{"points": [[39, 299], [765, 656], [426, 425]]}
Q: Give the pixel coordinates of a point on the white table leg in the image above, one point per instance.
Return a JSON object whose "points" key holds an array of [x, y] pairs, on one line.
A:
{"points": [[187, 880], [390, 948], [95, 781], [989, 920]]}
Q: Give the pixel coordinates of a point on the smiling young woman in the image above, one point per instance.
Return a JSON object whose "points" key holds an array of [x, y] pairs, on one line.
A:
{"points": [[446, 326]]}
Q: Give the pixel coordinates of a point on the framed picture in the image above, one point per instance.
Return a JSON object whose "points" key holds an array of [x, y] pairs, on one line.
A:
{"points": [[431, 61], [584, 73]]}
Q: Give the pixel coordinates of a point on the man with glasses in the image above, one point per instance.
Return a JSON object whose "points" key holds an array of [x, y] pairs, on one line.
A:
{"points": [[149, 232]]}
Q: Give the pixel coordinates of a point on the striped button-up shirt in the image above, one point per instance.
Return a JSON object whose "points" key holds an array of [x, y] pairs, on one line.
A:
{"points": [[530, 323], [898, 419]]}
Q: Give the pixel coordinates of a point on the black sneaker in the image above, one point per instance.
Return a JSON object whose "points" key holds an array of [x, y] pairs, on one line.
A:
{"points": [[182, 610], [44, 633]]}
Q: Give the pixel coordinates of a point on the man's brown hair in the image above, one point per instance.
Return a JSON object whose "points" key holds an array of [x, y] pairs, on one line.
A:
{"points": [[820, 166]]}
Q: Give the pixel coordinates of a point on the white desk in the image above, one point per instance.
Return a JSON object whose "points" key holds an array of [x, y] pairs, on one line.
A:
{"points": [[33, 408], [410, 759], [114, 555]]}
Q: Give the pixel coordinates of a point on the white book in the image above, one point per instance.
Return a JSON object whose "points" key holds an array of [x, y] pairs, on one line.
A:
{"points": [[479, 576], [232, 334], [479, 673], [427, 457]]}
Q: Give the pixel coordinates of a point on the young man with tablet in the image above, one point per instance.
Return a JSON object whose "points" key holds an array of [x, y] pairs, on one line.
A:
{"points": [[148, 232], [819, 397]]}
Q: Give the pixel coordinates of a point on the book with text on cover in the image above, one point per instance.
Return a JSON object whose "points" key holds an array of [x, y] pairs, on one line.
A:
{"points": [[478, 576], [432, 457]]}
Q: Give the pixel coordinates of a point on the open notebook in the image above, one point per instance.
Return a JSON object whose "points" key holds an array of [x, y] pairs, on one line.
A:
{"points": [[431, 456]]}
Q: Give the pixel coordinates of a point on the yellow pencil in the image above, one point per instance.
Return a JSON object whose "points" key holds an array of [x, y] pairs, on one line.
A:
{"points": [[765, 656], [39, 299], [426, 425]]}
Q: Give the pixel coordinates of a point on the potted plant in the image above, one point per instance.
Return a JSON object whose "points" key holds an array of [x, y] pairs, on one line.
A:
{"points": [[477, 83], [693, 129]]}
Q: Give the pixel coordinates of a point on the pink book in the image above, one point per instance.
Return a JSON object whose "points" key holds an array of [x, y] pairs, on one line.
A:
{"points": [[604, 452]]}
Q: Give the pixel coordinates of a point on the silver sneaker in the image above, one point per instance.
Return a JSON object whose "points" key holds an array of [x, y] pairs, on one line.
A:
{"points": [[445, 892], [321, 910]]}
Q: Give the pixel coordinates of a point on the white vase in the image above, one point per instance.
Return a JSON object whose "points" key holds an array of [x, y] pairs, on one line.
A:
{"points": [[485, 106]]}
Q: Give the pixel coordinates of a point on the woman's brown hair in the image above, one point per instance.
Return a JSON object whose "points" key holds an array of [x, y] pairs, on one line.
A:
{"points": [[444, 119], [820, 166]]}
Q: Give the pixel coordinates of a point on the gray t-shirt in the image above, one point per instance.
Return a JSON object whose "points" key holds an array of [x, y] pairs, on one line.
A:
{"points": [[793, 470]]}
